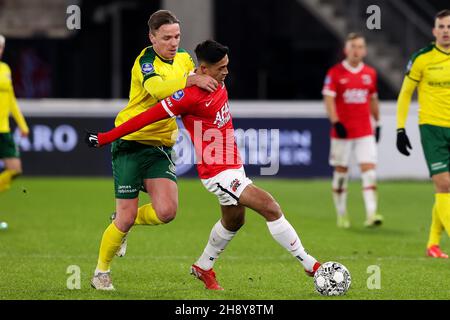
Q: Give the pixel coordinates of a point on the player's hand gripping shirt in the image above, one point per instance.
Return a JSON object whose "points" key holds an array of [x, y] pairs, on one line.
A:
{"points": [[8, 102], [205, 115], [429, 71], [352, 89], [153, 79]]}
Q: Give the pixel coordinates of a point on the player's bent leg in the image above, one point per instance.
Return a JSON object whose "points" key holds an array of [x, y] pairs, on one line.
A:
{"points": [[339, 185], [233, 217], [281, 230], [261, 201], [369, 186], [164, 195]]}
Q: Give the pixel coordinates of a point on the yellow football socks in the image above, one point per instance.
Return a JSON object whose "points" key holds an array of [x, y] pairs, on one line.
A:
{"points": [[147, 216], [443, 209], [435, 229], [6, 178], [111, 241]]}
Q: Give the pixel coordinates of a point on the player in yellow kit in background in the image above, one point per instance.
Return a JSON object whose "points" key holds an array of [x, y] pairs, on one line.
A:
{"points": [[142, 160], [429, 72], [9, 153]]}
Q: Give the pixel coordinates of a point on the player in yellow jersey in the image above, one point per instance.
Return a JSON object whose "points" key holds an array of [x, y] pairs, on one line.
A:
{"points": [[9, 152], [142, 160], [429, 72]]}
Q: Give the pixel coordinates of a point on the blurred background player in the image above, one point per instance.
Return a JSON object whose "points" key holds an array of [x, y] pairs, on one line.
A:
{"points": [[9, 152], [350, 97], [142, 160], [429, 72], [223, 173]]}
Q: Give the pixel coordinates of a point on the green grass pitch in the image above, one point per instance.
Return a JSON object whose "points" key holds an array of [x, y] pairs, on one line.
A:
{"points": [[59, 222]]}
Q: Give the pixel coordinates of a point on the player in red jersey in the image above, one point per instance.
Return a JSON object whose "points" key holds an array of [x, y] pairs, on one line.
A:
{"points": [[350, 96], [207, 118]]}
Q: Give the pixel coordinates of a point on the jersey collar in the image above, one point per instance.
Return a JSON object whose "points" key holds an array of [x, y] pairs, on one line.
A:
{"points": [[442, 50], [161, 58], [351, 69]]}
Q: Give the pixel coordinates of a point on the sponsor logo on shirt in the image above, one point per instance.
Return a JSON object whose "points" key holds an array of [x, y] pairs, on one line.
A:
{"points": [[178, 95], [355, 96], [147, 68], [439, 84], [436, 68], [343, 81], [222, 116]]}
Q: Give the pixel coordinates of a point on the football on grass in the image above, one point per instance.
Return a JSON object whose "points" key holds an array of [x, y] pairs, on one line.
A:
{"points": [[332, 279]]}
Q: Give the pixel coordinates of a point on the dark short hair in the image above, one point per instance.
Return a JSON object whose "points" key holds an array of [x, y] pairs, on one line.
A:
{"points": [[160, 18], [210, 51], [442, 14], [354, 35]]}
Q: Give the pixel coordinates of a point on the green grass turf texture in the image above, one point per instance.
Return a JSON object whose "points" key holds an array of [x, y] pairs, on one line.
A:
{"points": [[59, 222]]}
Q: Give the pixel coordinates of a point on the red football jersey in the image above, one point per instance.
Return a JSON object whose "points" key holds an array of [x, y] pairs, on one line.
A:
{"points": [[207, 118], [352, 89]]}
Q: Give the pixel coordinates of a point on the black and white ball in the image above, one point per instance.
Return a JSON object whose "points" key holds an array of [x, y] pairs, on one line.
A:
{"points": [[332, 279]]}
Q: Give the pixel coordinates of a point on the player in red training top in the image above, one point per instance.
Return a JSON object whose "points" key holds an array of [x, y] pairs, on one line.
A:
{"points": [[350, 96], [207, 118]]}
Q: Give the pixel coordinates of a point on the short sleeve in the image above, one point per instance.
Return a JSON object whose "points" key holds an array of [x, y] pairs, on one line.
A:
{"points": [[329, 85], [180, 102]]}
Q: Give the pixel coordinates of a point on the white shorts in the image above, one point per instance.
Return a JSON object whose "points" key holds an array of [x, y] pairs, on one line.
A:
{"points": [[228, 185], [365, 149]]}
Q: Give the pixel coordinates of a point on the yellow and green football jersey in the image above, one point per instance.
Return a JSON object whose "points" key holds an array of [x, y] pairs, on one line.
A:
{"points": [[8, 102], [153, 79], [430, 69]]}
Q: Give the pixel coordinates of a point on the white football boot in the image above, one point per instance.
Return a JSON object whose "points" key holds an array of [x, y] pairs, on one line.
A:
{"points": [[102, 281]]}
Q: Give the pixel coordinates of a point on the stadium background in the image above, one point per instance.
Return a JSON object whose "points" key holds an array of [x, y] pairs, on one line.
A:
{"points": [[279, 56], [69, 80]]}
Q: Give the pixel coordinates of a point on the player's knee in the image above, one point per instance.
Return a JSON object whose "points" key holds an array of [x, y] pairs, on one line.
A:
{"points": [[125, 220], [167, 212], [128, 221], [272, 210]]}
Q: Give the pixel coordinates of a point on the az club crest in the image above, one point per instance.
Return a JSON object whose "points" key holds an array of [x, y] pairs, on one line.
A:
{"points": [[235, 184]]}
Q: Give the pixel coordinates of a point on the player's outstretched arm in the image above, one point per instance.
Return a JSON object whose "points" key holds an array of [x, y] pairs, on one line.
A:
{"points": [[154, 114]]}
